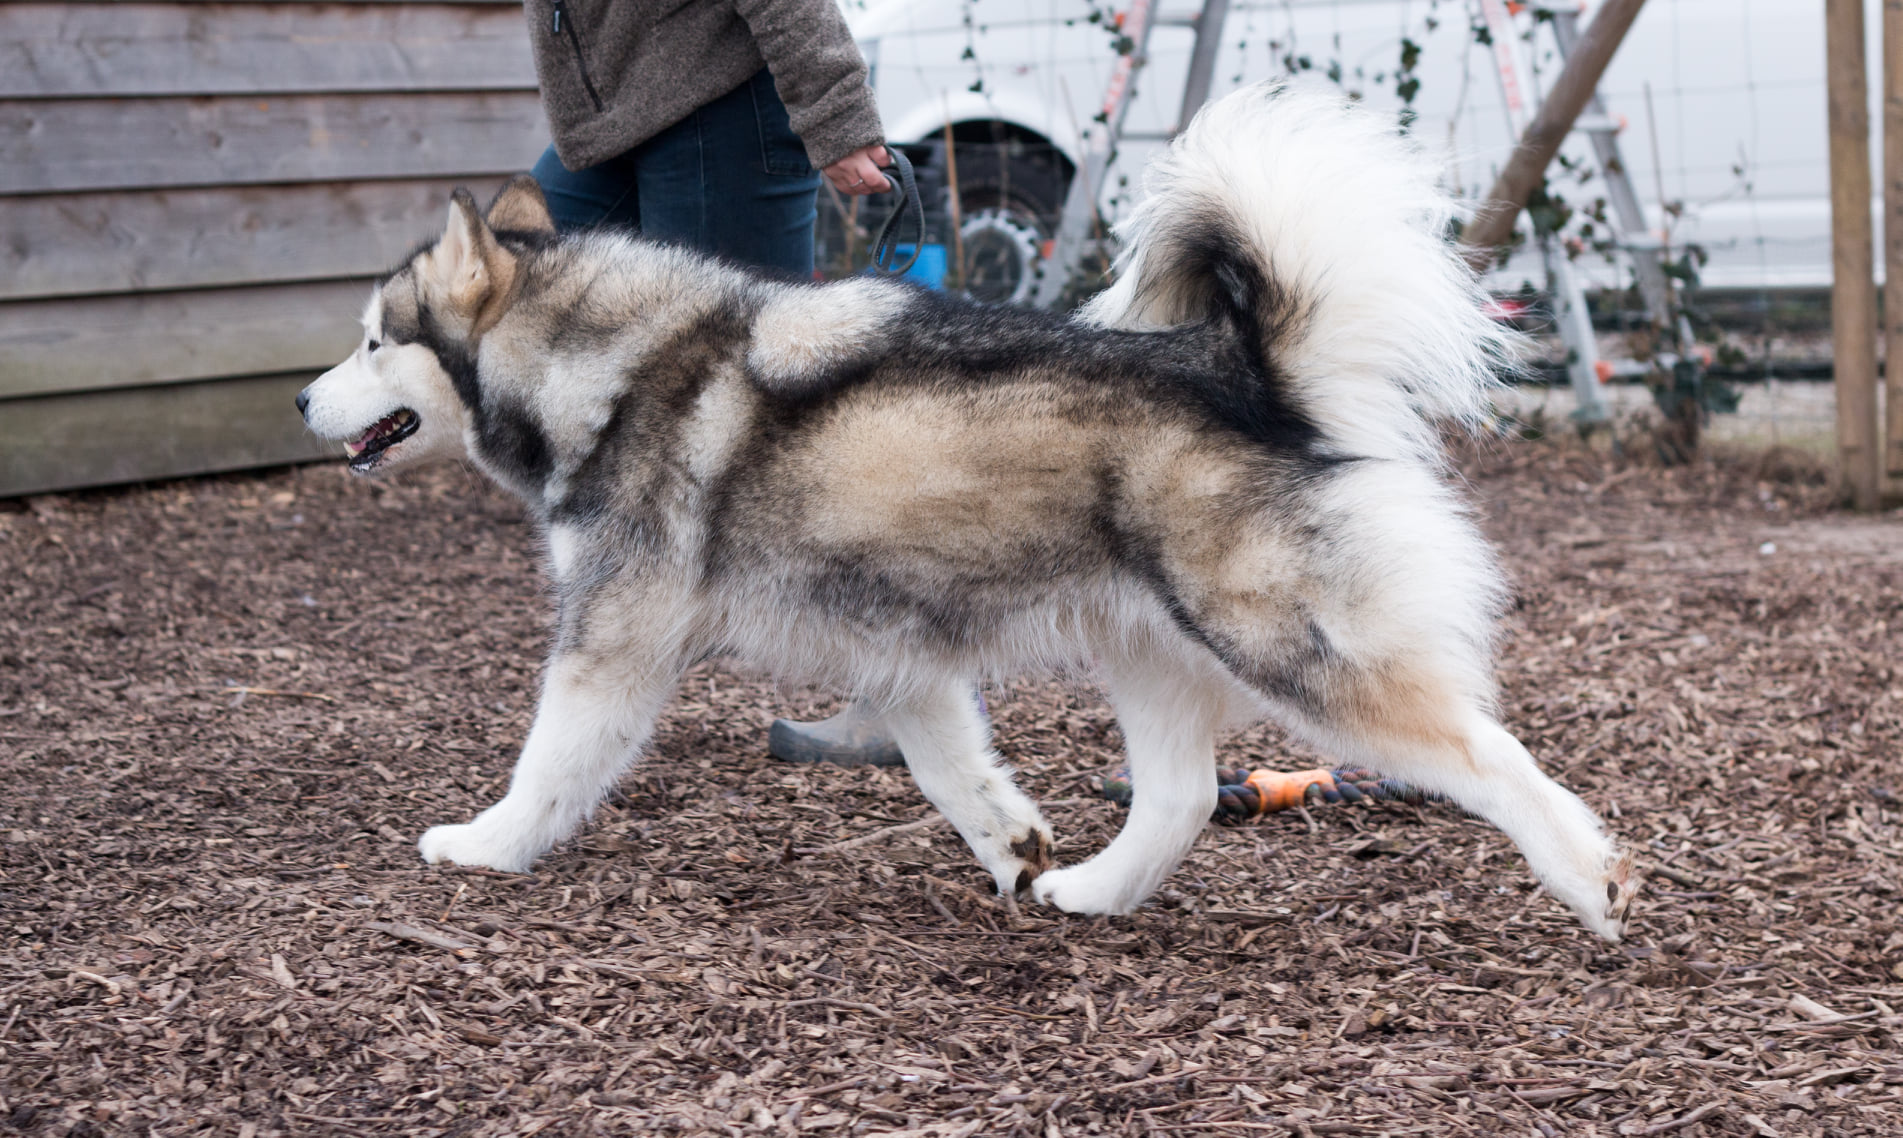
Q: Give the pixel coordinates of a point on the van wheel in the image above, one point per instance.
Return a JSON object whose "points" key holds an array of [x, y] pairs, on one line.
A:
{"points": [[1003, 249], [1011, 198]]}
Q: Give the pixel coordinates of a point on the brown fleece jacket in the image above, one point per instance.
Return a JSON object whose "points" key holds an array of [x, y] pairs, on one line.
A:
{"points": [[615, 73]]}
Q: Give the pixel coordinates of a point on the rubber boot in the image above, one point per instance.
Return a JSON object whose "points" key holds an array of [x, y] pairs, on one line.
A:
{"points": [[852, 738]]}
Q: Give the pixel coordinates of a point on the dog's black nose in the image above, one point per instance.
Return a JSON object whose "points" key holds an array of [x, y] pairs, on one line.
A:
{"points": [[303, 401]]}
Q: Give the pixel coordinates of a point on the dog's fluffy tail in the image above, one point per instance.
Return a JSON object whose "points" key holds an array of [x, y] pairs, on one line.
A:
{"points": [[1320, 231]]}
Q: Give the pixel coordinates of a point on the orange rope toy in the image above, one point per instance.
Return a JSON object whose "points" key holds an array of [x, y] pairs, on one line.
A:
{"points": [[1244, 794]]}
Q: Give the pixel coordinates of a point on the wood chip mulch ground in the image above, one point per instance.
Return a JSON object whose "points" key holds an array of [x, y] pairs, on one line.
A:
{"points": [[229, 706]]}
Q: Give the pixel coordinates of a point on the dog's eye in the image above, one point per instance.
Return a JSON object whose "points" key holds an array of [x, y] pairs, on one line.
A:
{"points": [[375, 344]]}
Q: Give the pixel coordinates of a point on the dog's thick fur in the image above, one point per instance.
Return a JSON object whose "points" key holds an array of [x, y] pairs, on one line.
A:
{"points": [[1219, 489]]}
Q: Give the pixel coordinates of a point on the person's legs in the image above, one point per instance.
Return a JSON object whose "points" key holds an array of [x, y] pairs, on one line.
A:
{"points": [[855, 737], [732, 179], [582, 199]]}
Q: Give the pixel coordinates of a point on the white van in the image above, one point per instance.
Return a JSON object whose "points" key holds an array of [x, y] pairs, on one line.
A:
{"points": [[1729, 94]]}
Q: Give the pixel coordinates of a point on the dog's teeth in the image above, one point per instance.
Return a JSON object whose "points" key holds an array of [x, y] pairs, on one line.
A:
{"points": [[352, 449]]}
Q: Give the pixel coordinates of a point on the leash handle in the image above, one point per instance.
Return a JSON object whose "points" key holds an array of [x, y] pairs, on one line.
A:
{"points": [[885, 245]]}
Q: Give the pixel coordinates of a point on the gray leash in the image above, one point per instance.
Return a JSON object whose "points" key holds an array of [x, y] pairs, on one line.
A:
{"points": [[885, 245]]}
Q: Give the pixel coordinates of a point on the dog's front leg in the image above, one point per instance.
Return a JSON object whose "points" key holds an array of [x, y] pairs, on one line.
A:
{"points": [[591, 724], [947, 746]]}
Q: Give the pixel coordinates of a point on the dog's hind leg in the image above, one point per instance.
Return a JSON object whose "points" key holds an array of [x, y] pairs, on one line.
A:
{"points": [[1467, 756], [1169, 715], [592, 722], [1407, 719], [947, 745]]}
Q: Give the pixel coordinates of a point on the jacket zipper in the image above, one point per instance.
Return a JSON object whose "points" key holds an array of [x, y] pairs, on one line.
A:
{"points": [[560, 26]]}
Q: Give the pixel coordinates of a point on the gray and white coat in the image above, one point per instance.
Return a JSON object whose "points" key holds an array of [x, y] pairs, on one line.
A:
{"points": [[1217, 490]]}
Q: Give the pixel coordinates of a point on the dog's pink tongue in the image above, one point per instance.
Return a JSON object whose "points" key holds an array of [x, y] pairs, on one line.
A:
{"points": [[363, 440]]}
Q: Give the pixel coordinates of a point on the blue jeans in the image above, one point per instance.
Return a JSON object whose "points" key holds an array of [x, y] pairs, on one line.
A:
{"points": [[730, 179]]}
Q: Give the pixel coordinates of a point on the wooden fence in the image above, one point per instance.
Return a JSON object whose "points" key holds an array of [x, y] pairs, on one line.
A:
{"points": [[194, 197]]}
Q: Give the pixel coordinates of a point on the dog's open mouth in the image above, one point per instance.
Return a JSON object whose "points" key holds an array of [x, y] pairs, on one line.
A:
{"points": [[367, 449]]}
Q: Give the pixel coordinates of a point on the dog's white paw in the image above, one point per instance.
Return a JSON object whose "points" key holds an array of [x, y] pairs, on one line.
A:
{"points": [[1620, 887], [1601, 892], [1023, 860], [474, 844], [1079, 889]]}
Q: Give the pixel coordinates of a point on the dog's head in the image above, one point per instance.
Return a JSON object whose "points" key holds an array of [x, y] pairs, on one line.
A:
{"points": [[408, 390]]}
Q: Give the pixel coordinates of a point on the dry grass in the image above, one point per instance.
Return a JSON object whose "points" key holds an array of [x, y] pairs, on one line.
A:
{"points": [[228, 706]]}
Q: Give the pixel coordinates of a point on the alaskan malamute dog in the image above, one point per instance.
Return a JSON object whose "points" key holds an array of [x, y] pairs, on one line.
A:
{"points": [[1218, 488]]}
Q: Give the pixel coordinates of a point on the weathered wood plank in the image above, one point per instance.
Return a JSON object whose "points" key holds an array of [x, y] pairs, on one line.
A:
{"points": [[272, 3], [55, 50], [68, 244], [91, 343], [100, 438], [102, 144]]}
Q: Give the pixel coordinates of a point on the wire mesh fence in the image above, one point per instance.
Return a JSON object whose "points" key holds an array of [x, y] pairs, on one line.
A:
{"points": [[1769, 348], [1712, 94]]}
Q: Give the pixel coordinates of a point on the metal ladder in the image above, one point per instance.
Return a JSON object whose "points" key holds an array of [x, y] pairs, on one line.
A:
{"points": [[1074, 240], [1643, 246], [1562, 283]]}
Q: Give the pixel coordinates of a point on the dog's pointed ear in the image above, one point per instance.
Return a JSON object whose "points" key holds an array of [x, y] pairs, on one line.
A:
{"points": [[464, 253], [471, 268], [521, 207]]}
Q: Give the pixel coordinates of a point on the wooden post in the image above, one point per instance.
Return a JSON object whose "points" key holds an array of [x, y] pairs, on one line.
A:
{"points": [[1853, 294], [1493, 222], [1893, 247]]}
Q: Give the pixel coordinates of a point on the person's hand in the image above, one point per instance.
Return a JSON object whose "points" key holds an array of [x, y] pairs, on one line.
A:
{"points": [[858, 172]]}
